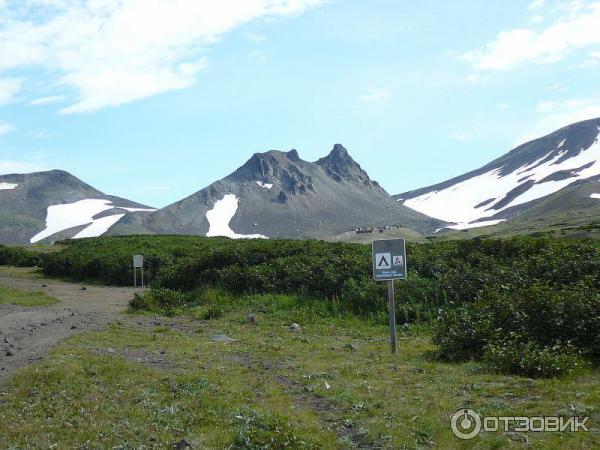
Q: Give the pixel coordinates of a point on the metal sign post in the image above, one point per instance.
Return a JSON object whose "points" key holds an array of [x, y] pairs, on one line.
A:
{"points": [[389, 264], [138, 263]]}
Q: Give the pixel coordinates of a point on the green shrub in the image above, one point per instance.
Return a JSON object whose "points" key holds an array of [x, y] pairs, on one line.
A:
{"points": [[160, 300], [547, 323], [529, 359], [19, 257]]}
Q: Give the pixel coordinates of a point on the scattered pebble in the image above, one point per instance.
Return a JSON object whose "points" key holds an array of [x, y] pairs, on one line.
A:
{"points": [[83, 288], [110, 350], [295, 327]]}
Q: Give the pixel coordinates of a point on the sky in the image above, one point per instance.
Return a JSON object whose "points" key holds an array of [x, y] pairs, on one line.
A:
{"points": [[152, 100]]}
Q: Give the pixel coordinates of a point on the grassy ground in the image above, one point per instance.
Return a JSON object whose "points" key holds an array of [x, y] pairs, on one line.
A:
{"points": [[126, 387], [32, 273], [22, 298]]}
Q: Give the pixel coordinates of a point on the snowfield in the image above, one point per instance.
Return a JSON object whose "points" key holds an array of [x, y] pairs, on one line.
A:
{"points": [[99, 226], [138, 209], [595, 196], [460, 203], [7, 186], [220, 216], [268, 186], [69, 215]]}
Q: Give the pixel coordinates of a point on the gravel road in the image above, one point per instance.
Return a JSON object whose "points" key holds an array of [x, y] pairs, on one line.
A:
{"points": [[28, 333]]}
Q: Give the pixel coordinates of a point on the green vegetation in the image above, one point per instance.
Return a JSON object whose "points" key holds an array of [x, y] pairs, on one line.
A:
{"points": [[133, 386], [19, 257], [23, 298], [541, 295]]}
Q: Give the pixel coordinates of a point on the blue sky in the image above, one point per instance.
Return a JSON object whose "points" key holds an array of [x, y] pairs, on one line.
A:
{"points": [[155, 99]]}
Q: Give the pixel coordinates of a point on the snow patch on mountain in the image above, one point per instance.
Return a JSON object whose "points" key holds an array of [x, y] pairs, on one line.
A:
{"points": [[483, 223], [64, 216], [7, 186], [138, 209], [220, 216], [99, 226], [595, 196], [476, 197], [265, 185]]}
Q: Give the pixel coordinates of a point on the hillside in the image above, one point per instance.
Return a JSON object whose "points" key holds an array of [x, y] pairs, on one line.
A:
{"points": [[277, 194], [550, 176], [47, 206]]}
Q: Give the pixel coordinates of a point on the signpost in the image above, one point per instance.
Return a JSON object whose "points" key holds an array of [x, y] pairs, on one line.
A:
{"points": [[138, 263], [389, 264]]}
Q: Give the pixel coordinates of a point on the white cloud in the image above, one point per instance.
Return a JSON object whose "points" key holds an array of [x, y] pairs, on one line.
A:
{"points": [[476, 78], [5, 128], [592, 60], [535, 4], [256, 37], [465, 135], [7, 167], [518, 46], [113, 52], [9, 87], [557, 114], [47, 100], [375, 94], [536, 19]]}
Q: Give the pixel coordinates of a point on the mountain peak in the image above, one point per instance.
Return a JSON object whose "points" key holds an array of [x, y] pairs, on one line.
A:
{"points": [[341, 166]]}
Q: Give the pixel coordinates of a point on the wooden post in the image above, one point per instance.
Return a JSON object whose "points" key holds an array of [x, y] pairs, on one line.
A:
{"points": [[134, 277], [142, 269], [392, 315]]}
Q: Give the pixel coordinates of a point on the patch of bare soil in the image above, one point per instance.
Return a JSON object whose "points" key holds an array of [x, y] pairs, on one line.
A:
{"points": [[28, 333]]}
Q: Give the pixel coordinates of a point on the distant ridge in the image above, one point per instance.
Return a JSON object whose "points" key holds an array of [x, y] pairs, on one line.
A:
{"points": [[277, 194]]}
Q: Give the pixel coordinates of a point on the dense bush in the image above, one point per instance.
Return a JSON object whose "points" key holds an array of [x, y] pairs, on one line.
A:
{"points": [[542, 290], [530, 359], [19, 257], [537, 330]]}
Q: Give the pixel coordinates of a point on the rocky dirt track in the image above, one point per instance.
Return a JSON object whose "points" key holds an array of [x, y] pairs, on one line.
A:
{"points": [[28, 333]]}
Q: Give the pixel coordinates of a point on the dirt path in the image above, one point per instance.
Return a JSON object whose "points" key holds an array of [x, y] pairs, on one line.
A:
{"points": [[27, 334]]}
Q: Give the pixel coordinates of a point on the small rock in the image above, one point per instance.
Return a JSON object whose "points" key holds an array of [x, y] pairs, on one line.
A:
{"points": [[44, 285], [221, 338], [295, 327], [351, 347], [10, 352], [83, 288], [73, 327], [110, 350], [252, 319], [182, 445], [6, 340]]}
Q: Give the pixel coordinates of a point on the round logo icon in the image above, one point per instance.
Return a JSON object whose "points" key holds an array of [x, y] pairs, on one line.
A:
{"points": [[465, 424]]}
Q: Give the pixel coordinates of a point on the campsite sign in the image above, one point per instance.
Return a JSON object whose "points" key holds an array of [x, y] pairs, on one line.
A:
{"points": [[389, 260], [138, 263], [389, 264]]}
